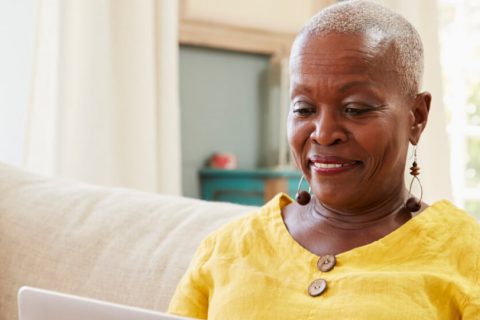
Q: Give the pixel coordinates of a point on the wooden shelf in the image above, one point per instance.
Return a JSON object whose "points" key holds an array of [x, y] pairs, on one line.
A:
{"points": [[250, 187]]}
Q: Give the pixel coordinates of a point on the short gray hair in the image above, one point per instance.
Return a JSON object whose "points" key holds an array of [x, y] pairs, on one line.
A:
{"points": [[361, 16]]}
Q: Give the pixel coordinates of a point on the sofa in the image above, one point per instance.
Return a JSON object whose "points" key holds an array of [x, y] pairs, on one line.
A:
{"points": [[111, 244]]}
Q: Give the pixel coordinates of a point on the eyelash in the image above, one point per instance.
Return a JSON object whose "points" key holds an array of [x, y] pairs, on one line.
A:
{"points": [[357, 111], [349, 111], [304, 111]]}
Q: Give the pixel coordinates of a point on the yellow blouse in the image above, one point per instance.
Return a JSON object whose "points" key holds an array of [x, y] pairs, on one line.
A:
{"points": [[429, 268]]}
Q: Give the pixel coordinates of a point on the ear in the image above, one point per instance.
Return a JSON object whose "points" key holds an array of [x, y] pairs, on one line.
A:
{"points": [[419, 116]]}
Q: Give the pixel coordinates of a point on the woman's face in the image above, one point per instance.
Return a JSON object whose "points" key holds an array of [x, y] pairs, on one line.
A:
{"points": [[349, 124]]}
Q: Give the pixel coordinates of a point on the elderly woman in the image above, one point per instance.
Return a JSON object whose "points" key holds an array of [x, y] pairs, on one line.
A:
{"points": [[361, 247]]}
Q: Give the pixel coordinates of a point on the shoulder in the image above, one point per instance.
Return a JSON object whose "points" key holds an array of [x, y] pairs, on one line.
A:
{"points": [[255, 229], [457, 234], [461, 227]]}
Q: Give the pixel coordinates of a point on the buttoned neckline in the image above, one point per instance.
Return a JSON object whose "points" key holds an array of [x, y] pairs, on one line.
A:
{"points": [[414, 225]]}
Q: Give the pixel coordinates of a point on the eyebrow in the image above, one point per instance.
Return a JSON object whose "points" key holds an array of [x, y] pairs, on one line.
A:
{"points": [[302, 88], [344, 88], [349, 85]]}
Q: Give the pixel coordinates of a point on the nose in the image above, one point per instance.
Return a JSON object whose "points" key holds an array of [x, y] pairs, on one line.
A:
{"points": [[329, 129]]}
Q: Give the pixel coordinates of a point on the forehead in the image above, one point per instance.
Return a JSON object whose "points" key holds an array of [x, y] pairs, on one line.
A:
{"points": [[340, 56]]}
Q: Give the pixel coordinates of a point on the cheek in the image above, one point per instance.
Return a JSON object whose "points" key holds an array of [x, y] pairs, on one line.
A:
{"points": [[292, 137], [385, 142], [292, 132], [297, 136]]}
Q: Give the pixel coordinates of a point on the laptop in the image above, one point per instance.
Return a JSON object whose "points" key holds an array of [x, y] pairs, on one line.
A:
{"points": [[39, 304]]}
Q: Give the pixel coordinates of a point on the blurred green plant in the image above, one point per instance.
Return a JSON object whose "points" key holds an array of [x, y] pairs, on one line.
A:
{"points": [[473, 105], [473, 143], [473, 207], [472, 173]]}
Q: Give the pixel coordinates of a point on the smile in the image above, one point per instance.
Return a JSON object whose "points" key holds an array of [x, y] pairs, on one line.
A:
{"points": [[331, 165]]}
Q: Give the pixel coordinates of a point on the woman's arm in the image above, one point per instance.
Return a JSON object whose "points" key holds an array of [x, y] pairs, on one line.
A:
{"points": [[192, 294]]}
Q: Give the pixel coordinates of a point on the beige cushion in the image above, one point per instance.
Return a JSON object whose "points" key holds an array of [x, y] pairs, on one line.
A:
{"points": [[112, 244]]}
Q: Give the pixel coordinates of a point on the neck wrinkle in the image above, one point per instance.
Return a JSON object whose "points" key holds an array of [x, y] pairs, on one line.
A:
{"points": [[392, 207]]}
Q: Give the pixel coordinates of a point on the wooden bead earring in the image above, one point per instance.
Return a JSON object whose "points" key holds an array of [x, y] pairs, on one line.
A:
{"points": [[413, 204], [303, 197]]}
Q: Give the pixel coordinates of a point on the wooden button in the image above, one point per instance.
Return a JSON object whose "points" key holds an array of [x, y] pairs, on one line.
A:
{"points": [[326, 262], [317, 287]]}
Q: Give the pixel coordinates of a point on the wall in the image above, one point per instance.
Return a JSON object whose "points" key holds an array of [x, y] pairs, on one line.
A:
{"points": [[222, 99], [289, 15], [16, 44]]}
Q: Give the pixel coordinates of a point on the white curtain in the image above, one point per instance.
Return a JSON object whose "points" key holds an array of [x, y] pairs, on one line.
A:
{"points": [[104, 104], [433, 150]]}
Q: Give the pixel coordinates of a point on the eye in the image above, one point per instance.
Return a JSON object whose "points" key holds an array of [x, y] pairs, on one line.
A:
{"points": [[356, 109], [303, 109]]}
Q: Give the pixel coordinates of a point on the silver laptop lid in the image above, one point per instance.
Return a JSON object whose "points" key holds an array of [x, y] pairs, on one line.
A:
{"points": [[39, 304]]}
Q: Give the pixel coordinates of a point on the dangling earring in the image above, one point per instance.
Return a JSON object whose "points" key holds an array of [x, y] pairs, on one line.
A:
{"points": [[412, 204], [303, 197]]}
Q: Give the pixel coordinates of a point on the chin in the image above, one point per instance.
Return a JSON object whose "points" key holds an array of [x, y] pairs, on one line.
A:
{"points": [[332, 200], [337, 199]]}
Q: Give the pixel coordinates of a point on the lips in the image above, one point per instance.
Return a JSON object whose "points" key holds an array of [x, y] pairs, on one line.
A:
{"points": [[331, 164]]}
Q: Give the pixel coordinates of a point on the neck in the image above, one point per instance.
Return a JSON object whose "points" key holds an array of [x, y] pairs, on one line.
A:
{"points": [[389, 210]]}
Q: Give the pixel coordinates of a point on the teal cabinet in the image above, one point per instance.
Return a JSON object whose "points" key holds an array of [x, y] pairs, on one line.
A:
{"points": [[251, 187]]}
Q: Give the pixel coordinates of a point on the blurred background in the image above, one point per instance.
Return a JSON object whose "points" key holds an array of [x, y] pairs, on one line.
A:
{"points": [[190, 97]]}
